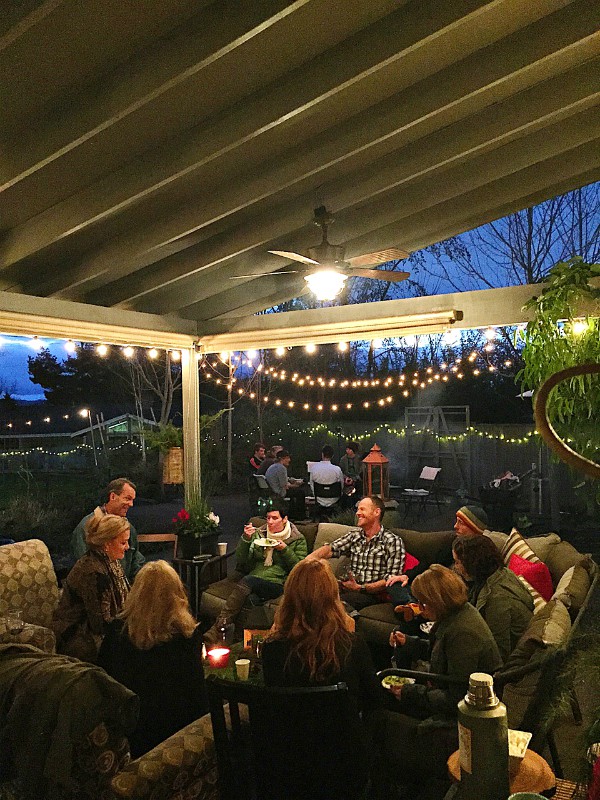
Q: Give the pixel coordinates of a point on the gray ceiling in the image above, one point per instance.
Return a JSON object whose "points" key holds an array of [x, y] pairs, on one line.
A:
{"points": [[150, 151]]}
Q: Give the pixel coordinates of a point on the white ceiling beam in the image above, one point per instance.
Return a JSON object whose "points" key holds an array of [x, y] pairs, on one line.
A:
{"points": [[63, 319], [478, 309]]}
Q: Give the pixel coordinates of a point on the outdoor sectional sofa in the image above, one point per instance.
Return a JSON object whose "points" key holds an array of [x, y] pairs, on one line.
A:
{"points": [[99, 764], [574, 577]]}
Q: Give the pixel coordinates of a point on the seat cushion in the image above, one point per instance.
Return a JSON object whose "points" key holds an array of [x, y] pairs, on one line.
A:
{"points": [[28, 581], [573, 588], [426, 546], [561, 558], [375, 623], [328, 532], [550, 627]]}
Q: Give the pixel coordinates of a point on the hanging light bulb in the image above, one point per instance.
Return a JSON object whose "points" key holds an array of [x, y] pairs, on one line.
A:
{"points": [[280, 351], [176, 355], [35, 343], [153, 353], [579, 327], [326, 284], [102, 350], [224, 356], [342, 346], [70, 346], [311, 348], [377, 344], [128, 352], [490, 334]]}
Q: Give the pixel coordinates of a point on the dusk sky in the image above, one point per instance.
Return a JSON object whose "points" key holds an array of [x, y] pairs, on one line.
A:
{"points": [[14, 377]]}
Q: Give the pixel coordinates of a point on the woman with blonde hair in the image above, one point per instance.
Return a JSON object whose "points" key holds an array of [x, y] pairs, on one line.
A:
{"points": [[420, 729], [154, 648], [312, 640], [94, 590]]}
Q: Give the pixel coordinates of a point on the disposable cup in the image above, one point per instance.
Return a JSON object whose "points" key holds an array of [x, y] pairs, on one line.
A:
{"points": [[242, 669], [222, 546]]}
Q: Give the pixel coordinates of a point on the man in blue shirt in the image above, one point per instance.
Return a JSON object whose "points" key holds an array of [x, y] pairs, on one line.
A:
{"points": [[119, 494]]}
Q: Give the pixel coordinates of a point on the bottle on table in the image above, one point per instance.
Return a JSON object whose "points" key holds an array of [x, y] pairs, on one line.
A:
{"points": [[483, 742]]}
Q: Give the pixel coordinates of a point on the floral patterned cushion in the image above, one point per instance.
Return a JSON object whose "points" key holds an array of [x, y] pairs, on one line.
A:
{"points": [[28, 581], [183, 766], [42, 638]]}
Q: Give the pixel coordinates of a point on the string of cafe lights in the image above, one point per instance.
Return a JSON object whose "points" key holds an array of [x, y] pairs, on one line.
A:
{"points": [[407, 382], [70, 452], [322, 429]]}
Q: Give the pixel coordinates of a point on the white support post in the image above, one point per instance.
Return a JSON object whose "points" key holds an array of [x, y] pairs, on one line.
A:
{"points": [[190, 391]]}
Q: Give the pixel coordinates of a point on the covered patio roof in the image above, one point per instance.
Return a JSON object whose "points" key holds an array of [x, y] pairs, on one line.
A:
{"points": [[152, 154]]}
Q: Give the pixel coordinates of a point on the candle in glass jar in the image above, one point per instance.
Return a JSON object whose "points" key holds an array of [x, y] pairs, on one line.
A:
{"points": [[218, 657]]}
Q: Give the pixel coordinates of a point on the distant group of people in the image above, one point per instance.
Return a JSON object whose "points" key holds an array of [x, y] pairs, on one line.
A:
{"points": [[134, 620], [274, 463]]}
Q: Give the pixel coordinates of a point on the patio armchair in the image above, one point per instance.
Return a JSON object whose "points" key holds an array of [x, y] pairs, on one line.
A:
{"points": [[183, 765]]}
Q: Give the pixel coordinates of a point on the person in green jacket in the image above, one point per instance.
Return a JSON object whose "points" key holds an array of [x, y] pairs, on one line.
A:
{"points": [[419, 732], [119, 494], [502, 600], [266, 555]]}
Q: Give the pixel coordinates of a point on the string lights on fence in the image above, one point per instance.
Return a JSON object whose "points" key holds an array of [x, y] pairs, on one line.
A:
{"points": [[321, 429]]}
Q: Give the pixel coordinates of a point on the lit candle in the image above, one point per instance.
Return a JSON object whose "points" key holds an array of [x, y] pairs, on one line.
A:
{"points": [[218, 657]]}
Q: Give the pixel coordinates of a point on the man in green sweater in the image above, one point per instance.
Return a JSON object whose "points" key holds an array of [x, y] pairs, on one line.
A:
{"points": [[119, 494], [266, 555]]}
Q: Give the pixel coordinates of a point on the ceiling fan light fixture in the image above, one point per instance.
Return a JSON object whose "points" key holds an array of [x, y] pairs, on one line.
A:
{"points": [[326, 284]]}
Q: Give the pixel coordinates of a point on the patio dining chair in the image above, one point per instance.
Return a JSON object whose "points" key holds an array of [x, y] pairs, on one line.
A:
{"points": [[326, 490], [423, 489], [301, 742]]}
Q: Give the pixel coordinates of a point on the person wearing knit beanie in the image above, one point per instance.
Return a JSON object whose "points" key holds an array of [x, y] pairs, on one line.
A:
{"points": [[470, 519]]}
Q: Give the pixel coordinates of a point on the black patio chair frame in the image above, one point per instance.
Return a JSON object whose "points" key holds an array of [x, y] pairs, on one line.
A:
{"points": [[300, 742]]}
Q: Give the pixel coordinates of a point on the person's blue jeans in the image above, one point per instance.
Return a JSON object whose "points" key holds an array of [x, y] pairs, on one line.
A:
{"points": [[261, 590], [400, 594]]}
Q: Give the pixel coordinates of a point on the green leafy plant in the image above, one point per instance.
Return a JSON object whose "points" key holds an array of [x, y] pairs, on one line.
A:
{"points": [[165, 437], [558, 337]]}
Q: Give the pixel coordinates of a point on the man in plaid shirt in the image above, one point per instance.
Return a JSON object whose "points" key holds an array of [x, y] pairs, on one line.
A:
{"points": [[376, 559]]}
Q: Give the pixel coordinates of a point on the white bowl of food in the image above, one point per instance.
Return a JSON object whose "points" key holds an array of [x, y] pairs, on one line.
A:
{"points": [[390, 681]]}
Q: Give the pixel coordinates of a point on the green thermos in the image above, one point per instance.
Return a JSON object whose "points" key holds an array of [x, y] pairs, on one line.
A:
{"points": [[483, 742]]}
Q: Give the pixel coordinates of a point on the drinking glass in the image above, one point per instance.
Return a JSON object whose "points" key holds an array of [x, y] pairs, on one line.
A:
{"points": [[15, 621]]}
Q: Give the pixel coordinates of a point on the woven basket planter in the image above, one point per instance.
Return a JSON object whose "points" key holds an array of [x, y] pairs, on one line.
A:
{"points": [[173, 465]]}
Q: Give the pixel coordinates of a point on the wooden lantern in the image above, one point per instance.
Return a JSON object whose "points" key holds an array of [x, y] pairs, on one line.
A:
{"points": [[376, 474]]}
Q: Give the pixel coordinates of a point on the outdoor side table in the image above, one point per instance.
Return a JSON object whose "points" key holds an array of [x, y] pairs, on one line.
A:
{"points": [[198, 574], [534, 774]]}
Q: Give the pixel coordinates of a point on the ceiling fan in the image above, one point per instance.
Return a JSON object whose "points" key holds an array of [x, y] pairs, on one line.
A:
{"points": [[326, 268]]}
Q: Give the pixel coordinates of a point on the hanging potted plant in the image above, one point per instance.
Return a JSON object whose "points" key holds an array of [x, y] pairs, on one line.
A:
{"points": [[168, 440], [197, 529], [560, 342]]}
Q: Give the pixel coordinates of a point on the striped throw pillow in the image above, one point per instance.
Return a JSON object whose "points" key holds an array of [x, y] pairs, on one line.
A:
{"points": [[538, 600], [516, 545]]}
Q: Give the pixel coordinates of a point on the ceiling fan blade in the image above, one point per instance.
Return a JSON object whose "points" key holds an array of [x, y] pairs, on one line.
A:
{"points": [[379, 257], [294, 256], [264, 274], [379, 274]]}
